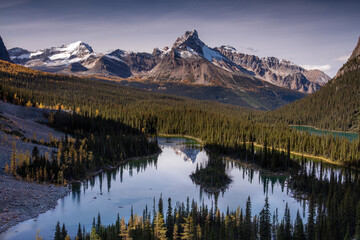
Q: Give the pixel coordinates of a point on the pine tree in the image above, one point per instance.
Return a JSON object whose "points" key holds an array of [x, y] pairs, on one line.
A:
{"points": [[299, 233], [311, 220], [176, 232], [79, 235], [124, 232], [287, 221], [169, 221], [248, 224], [159, 228], [57, 231], [161, 206], [98, 223], [63, 232], [265, 225], [188, 226], [94, 235]]}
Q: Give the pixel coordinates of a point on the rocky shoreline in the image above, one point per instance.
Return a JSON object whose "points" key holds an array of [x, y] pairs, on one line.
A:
{"points": [[20, 200]]}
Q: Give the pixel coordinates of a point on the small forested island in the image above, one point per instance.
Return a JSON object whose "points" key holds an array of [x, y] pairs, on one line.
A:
{"points": [[212, 177]]}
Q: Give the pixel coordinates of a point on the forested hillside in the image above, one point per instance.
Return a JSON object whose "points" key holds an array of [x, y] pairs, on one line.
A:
{"points": [[335, 106], [223, 127]]}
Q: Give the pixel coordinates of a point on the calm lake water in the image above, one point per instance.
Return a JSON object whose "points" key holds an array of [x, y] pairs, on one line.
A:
{"points": [[137, 183], [349, 135]]}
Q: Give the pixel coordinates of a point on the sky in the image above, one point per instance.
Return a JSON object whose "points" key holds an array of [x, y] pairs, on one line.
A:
{"points": [[314, 34]]}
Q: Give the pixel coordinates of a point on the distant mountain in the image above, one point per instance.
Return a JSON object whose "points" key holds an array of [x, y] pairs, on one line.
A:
{"points": [[279, 72], [79, 58], [55, 59], [259, 83], [189, 60], [4, 55], [335, 106]]}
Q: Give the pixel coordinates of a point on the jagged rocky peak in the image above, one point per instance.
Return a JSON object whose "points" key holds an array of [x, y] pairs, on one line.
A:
{"points": [[189, 40], [15, 52], [117, 53], [4, 55], [356, 51]]}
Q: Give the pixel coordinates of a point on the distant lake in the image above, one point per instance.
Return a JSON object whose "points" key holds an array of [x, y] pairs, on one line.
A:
{"points": [[348, 135], [136, 184]]}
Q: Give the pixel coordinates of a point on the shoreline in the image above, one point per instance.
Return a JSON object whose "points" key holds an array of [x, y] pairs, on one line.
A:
{"points": [[327, 160], [322, 129], [21, 200], [108, 168], [181, 136], [9, 214], [39, 198]]}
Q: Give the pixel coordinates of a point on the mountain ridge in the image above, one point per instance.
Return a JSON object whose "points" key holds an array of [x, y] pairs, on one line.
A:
{"points": [[189, 60], [188, 46], [4, 54], [335, 106]]}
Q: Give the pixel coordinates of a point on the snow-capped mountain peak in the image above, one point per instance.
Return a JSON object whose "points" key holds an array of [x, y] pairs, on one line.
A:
{"points": [[77, 49], [189, 45], [189, 38], [76, 52]]}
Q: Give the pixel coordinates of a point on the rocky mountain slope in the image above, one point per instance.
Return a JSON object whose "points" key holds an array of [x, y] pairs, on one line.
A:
{"points": [[335, 106], [189, 60], [4, 55], [279, 72], [254, 82]]}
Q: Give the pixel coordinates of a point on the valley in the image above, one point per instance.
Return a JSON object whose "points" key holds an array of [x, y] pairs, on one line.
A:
{"points": [[187, 141], [189, 68]]}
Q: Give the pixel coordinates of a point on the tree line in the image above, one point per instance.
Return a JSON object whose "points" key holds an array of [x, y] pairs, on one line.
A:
{"points": [[222, 126]]}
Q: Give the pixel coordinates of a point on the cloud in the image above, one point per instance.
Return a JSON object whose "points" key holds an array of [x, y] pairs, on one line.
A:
{"points": [[9, 4], [249, 49], [326, 67], [342, 58]]}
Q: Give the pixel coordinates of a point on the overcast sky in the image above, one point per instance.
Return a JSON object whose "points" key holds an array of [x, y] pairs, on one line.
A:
{"points": [[318, 33]]}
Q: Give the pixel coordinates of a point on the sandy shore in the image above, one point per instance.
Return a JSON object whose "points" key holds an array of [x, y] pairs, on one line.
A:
{"points": [[20, 200]]}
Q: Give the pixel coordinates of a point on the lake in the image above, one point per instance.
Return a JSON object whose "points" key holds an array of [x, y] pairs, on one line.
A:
{"points": [[348, 135], [138, 182]]}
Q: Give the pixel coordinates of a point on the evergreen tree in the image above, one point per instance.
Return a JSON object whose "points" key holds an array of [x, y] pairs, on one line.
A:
{"points": [[57, 235], [79, 235], [299, 233], [159, 229], [94, 235], [265, 224], [248, 230]]}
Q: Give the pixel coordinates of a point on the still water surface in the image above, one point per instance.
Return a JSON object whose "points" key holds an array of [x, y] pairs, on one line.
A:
{"points": [[349, 135], [137, 183]]}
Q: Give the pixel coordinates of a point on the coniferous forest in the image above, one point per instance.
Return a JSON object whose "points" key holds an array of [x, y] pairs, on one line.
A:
{"points": [[107, 124], [224, 127]]}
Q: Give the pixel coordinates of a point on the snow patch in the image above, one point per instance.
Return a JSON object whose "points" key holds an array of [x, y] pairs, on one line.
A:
{"points": [[33, 54], [114, 58], [229, 48], [210, 54], [189, 53]]}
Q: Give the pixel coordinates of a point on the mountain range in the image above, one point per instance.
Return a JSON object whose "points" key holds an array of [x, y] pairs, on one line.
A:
{"points": [[231, 77]]}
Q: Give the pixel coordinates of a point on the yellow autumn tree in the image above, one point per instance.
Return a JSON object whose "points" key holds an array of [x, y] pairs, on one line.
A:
{"points": [[159, 229]]}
